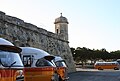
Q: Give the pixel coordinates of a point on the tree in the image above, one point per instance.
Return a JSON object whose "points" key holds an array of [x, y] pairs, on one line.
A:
{"points": [[84, 54], [73, 53], [115, 54]]}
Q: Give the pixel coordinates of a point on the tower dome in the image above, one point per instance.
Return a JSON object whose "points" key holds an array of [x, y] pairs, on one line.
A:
{"points": [[61, 19], [61, 27]]}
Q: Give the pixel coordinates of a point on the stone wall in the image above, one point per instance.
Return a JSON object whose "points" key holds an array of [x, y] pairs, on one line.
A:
{"points": [[21, 33]]}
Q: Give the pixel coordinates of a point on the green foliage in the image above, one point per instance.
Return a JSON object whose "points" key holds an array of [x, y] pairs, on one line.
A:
{"points": [[84, 54]]}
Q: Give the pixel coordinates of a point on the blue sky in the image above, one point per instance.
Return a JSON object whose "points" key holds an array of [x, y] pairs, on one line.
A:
{"points": [[92, 23]]}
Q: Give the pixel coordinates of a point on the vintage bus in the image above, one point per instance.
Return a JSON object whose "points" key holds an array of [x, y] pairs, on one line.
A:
{"points": [[62, 68], [11, 66], [38, 65], [107, 65]]}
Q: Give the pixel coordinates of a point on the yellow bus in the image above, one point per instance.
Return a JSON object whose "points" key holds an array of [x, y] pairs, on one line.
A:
{"points": [[107, 65], [11, 66], [62, 68], [38, 65]]}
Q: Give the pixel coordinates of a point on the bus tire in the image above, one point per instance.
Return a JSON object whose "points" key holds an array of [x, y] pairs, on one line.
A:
{"points": [[115, 68], [60, 79], [100, 68]]}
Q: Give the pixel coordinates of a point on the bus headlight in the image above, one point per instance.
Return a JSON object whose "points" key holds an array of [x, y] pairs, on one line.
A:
{"points": [[20, 75]]}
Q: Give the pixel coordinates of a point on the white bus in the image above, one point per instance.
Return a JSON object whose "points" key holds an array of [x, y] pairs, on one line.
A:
{"points": [[11, 66], [62, 68], [38, 65]]}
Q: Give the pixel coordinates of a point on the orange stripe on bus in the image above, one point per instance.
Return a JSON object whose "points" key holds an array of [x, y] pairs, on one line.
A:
{"points": [[37, 69], [7, 73], [61, 67]]}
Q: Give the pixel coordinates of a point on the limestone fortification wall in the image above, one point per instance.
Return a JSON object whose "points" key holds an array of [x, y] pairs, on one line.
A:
{"points": [[21, 33]]}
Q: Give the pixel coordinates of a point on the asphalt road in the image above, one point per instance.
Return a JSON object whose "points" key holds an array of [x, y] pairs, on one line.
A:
{"points": [[95, 75]]}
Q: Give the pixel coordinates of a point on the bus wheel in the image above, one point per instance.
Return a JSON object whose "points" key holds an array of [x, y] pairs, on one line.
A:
{"points": [[100, 68], [60, 79], [115, 68]]}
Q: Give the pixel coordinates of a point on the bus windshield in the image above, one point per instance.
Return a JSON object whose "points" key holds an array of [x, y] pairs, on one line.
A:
{"points": [[43, 62], [10, 59]]}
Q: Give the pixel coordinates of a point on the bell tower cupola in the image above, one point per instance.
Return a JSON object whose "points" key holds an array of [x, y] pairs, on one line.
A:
{"points": [[61, 27]]}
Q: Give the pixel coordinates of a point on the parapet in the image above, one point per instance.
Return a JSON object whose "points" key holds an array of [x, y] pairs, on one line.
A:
{"points": [[18, 22]]}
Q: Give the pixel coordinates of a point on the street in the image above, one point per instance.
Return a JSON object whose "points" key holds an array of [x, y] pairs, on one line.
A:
{"points": [[95, 75]]}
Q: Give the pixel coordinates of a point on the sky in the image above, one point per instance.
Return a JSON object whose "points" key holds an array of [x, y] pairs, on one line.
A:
{"points": [[93, 24]]}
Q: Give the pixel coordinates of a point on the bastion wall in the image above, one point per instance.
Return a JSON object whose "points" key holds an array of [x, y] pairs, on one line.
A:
{"points": [[21, 33]]}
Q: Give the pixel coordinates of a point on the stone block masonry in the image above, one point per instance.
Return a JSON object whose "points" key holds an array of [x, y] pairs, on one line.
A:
{"points": [[25, 34]]}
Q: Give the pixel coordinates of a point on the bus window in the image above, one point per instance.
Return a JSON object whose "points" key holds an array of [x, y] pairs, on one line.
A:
{"points": [[60, 64], [43, 62], [8, 58]]}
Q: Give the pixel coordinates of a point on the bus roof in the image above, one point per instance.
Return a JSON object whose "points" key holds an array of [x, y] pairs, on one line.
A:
{"points": [[37, 53], [5, 45], [58, 58], [106, 62], [5, 42]]}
